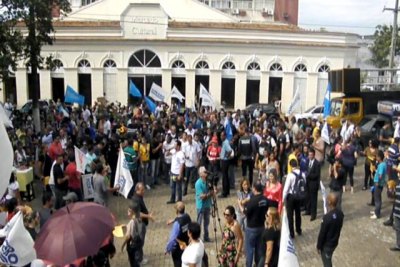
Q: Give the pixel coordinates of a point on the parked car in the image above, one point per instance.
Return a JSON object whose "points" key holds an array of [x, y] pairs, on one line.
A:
{"points": [[264, 108], [371, 126], [314, 112]]}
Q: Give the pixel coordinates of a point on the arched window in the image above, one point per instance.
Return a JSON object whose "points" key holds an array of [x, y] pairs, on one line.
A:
{"points": [[276, 67], [324, 68], [109, 63], [178, 64], [202, 65], [300, 68], [57, 65], [144, 59], [228, 66], [84, 64], [253, 66]]}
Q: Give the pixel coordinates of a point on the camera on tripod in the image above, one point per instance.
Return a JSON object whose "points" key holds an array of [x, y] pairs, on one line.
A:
{"points": [[212, 180]]}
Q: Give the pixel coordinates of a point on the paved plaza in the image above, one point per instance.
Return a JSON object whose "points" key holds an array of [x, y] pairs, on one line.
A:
{"points": [[363, 242]]}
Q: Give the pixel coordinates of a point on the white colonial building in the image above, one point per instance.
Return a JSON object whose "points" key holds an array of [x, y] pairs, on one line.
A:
{"points": [[100, 47]]}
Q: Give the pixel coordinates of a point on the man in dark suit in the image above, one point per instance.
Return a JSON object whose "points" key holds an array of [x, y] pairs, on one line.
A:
{"points": [[313, 180]]}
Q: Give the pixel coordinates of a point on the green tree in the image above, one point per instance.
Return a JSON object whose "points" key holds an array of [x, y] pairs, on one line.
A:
{"points": [[381, 48], [38, 21], [11, 39]]}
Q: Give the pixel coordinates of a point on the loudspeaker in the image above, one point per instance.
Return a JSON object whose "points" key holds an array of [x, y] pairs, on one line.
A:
{"points": [[345, 81]]}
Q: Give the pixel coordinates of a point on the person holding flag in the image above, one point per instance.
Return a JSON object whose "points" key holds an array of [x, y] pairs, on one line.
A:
{"points": [[131, 158]]}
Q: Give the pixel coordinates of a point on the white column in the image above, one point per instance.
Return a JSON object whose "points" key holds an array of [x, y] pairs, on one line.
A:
{"points": [[97, 83], [312, 87], [287, 90], [21, 78], [167, 83], [71, 78], [215, 85], [122, 86], [190, 90], [240, 89], [264, 87], [45, 84]]}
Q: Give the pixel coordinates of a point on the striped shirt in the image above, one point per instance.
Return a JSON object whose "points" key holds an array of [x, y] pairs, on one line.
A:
{"points": [[396, 212]]}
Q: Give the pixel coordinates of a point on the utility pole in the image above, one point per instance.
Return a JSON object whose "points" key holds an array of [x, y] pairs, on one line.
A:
{"points": [[395, 11]]}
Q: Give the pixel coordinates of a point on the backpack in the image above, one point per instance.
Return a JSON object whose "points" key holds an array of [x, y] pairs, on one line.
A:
{"points": [[137, 237], [299, 187]]}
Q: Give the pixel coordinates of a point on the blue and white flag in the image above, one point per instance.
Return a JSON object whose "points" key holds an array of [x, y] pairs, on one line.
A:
{"points": [[71, 96], [325, 133], [295, 102], [123, 177], [327, 101], [17, 249], [206, 98], [157, 93], [287, 251], [133, 90], [150, 104]]}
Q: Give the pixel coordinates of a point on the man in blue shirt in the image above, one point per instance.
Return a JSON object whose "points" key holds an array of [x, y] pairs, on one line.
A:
{"points": [[379, 183], [203, 201], [178, 232]]}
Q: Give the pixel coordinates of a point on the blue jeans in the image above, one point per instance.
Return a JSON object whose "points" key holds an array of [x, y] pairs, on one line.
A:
{"points": [[204, 213], [190, 174], [155, 168], [176, 186], [378, 200], [144, 172], [253, 247], [326, 256]]}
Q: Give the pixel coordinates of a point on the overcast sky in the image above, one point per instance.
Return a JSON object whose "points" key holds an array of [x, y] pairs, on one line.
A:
{"points": [[358, 16]]}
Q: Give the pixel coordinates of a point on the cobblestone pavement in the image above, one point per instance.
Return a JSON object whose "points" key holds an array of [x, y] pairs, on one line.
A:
{"points": [[363, 242]]}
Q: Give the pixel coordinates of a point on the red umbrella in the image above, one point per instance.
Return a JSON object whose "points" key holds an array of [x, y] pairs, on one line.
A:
{"points": [[75, 231]]}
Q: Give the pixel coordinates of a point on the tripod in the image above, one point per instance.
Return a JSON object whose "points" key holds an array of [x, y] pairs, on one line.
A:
{"points": [[216, 219]]}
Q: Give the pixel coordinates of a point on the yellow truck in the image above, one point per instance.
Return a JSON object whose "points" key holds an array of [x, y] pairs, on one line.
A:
{"points": [[355, 103]]}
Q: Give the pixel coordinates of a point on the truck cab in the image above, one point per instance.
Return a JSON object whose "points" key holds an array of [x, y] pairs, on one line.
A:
{"points": [[349, 108]]}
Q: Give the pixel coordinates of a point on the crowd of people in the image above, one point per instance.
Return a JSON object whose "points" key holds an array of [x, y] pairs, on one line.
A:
{"points": [[280, 161]]}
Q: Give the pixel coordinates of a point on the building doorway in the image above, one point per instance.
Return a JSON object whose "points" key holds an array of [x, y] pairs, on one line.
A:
{"points": [[275, 89], [10, 86], [252, 91]]}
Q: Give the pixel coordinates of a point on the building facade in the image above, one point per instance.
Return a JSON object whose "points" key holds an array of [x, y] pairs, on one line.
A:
{"points": [[103, 46]]}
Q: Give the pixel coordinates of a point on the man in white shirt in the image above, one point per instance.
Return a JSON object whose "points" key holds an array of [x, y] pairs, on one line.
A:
{"points": [[192, 155], [107, 127], [292, 205], [168, 146], [86, 114], [190, 130], [177, 171]]}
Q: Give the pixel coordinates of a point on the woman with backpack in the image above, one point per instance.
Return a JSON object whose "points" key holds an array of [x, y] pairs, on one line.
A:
{"points": [[133, 237]]}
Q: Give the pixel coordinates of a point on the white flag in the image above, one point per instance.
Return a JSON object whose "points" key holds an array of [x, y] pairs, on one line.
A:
{"points": [[123, 177], [17, 249], [5, 118], [157, 93], [204, 92], [176, 94], [287, 251], [87, 186], [6, 157], [295, 102], [206, 98], [80, 159], [323, 192], [325, 133]]}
